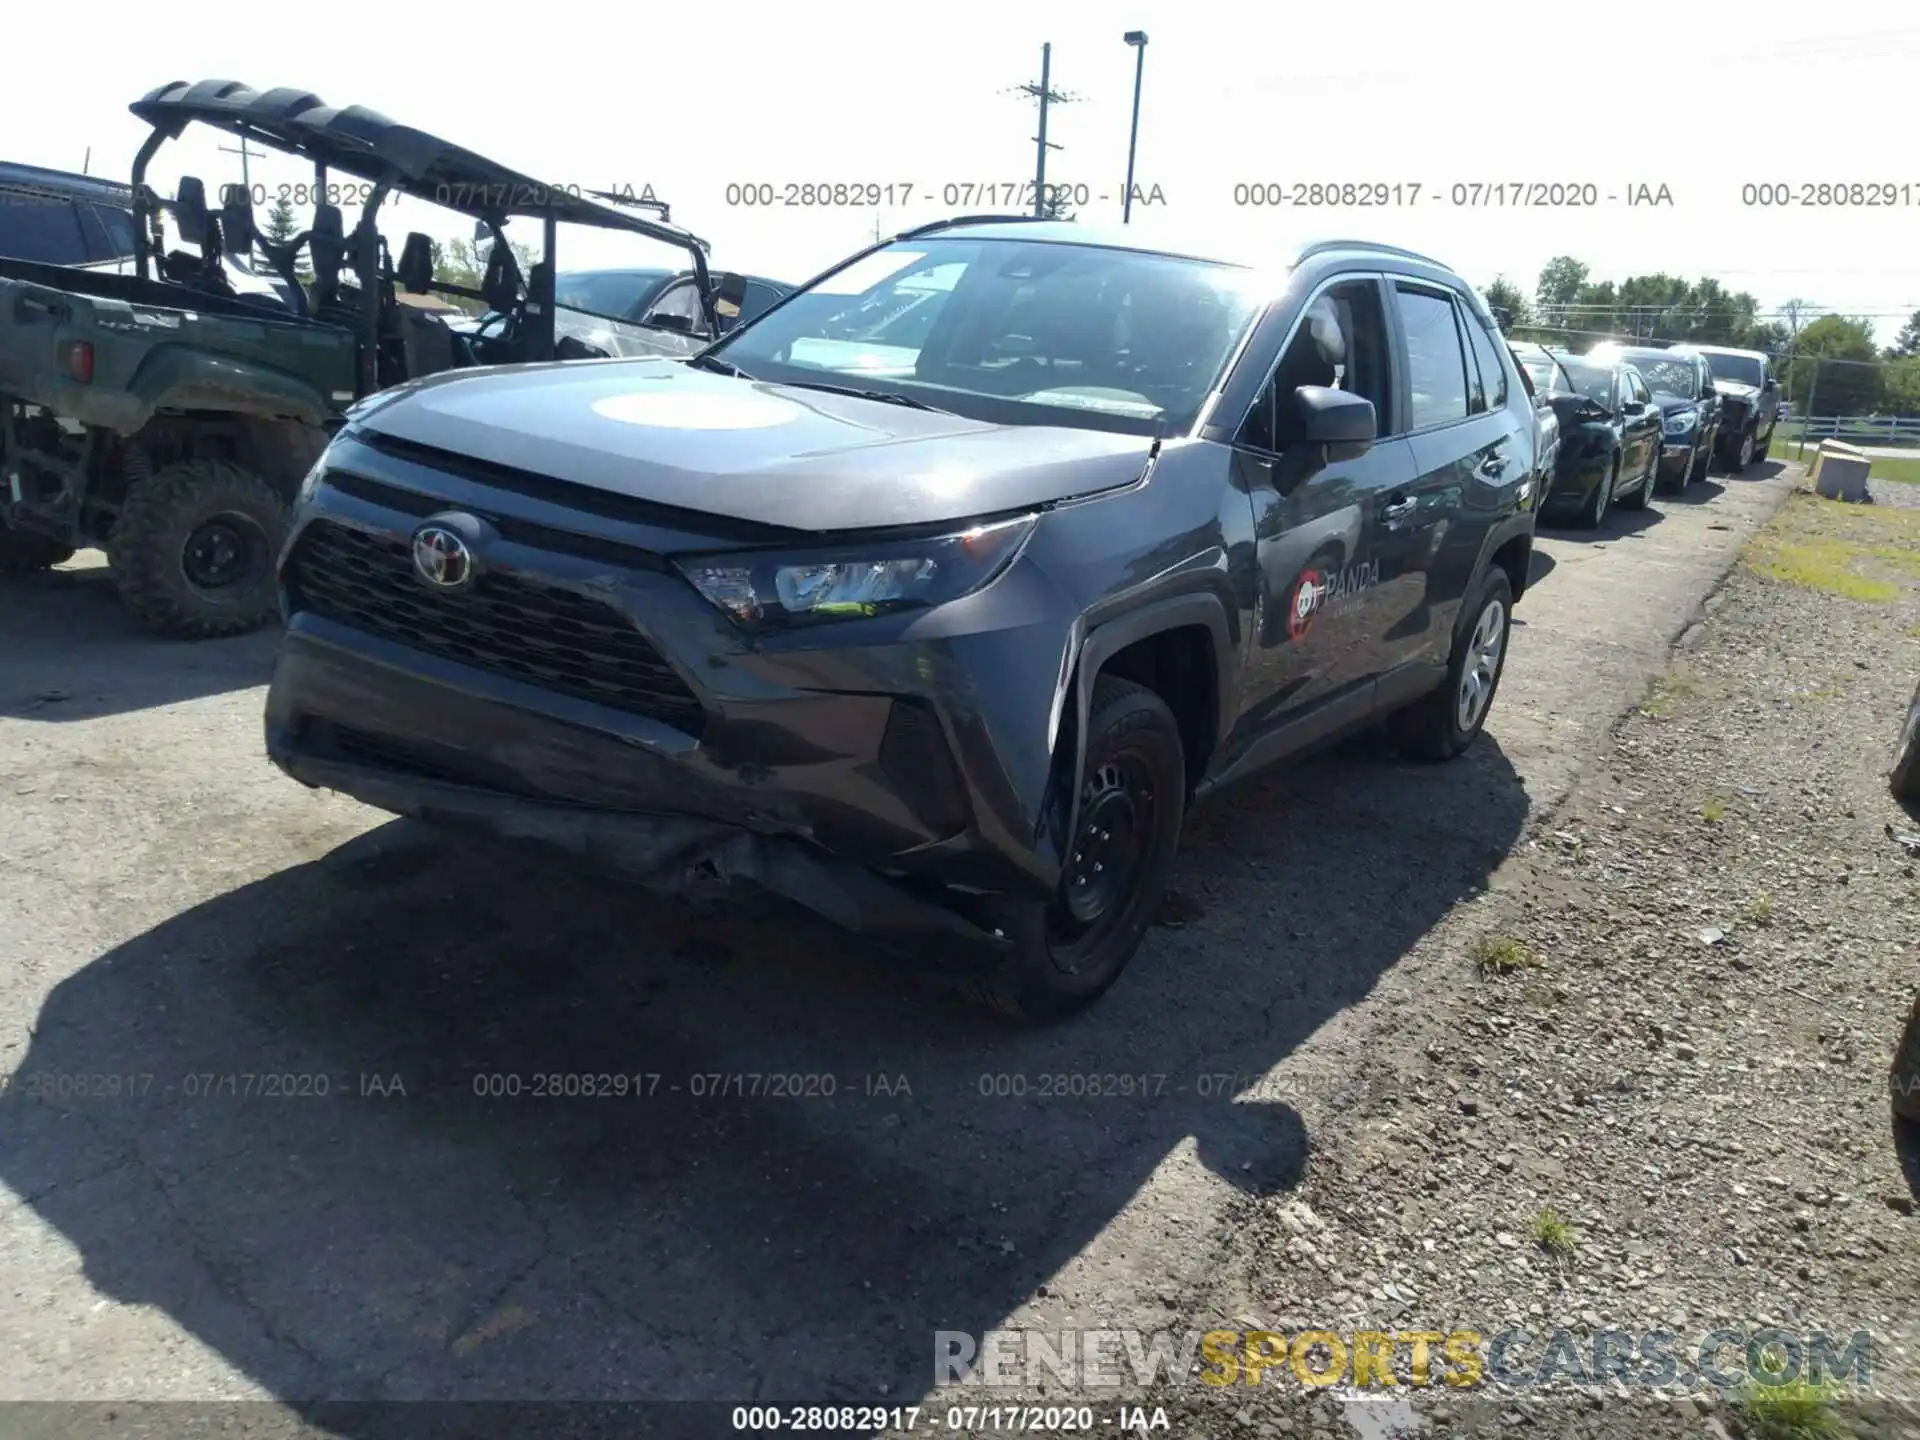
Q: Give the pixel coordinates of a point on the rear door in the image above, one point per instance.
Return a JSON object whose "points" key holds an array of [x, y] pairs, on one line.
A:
{"points": [[1461, 444]]}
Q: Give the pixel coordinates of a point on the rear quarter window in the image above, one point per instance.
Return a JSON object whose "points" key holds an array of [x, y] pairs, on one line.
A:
{"points": [[35, 227]]}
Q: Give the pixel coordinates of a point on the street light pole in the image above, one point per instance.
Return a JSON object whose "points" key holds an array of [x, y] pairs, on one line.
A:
{"points": [[1137, 39]]}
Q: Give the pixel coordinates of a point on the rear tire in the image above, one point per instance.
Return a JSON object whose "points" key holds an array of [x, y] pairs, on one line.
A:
{"points": [[1904, 780], [1595, 510], [1068, 951], [194, 547], [1442, 724], [22, 552], [1642, 492], [1903, 1077]]}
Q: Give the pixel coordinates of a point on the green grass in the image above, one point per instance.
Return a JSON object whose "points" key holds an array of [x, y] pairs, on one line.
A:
{"points": [[1552, 1233], [1502, 955], [1760, 909], [1714, 810], [1823, 564], [1907, 472], [1796, 1410], [1669, 689]]}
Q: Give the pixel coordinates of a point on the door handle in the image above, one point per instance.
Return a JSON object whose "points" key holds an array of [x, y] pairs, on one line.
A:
{"points": [[1396, 511]]}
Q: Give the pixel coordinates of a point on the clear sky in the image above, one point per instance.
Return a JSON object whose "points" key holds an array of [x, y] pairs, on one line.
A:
{"points": [[1701, 99]]}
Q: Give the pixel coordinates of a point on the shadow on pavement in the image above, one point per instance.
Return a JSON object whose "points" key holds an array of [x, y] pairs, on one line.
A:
{"points": [[72, 652], [347, 1148], [1617, 524]]}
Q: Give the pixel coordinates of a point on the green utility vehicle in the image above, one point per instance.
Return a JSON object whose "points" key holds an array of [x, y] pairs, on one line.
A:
{"points": [[168, 416]]}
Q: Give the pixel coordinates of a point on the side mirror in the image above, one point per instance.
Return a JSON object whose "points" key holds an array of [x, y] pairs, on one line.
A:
{"points": [[1339, 423], [729, 293], [1772, 384]]}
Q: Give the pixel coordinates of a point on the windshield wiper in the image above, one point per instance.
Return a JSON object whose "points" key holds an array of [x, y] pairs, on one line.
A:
{"points": [[719, 366], [885, 397]]}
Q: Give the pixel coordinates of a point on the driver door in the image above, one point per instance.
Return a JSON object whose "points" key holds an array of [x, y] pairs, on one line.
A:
{"points": [[1313, 652]]}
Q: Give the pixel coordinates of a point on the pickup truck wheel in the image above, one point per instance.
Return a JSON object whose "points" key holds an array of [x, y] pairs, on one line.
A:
{"points": [[194, 547], [24, 553], [1760, 452], [1442, 724], [1903, 1078], [1904, 780], [1068, 951], [1743, 457]]}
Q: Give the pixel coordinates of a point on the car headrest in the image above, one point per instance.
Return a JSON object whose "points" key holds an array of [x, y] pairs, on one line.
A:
{"points": [[190, 209], [236, 219], [415, 272], [1328, 338]]}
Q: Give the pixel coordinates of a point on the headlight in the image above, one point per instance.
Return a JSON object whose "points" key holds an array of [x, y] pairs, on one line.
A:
{"points": [[765, 590], [311, 482], [1682, 421]]}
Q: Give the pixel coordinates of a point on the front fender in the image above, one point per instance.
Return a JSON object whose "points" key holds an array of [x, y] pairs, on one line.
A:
{"points": [[1203, 608]]}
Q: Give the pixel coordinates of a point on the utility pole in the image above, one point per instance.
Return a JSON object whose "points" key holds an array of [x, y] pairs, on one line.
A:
{"points": [[1138, 40], [1046, 95], [246, 176], [86, 165]]}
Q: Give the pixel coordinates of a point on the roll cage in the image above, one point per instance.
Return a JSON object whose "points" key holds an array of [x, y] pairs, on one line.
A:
{"points": [[394, 159]]}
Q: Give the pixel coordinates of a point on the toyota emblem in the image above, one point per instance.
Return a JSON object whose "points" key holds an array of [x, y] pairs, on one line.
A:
{"points": [[442, 558]]}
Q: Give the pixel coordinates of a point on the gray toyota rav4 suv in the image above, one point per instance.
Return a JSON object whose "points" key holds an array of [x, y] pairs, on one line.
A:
{"points": [[932, 597]]}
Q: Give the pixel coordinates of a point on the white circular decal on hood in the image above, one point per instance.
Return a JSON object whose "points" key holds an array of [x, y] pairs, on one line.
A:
{"points": [[697, 410]]}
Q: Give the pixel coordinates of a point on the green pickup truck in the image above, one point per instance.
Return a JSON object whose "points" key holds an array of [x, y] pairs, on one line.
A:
{"points": [[168, 416]]}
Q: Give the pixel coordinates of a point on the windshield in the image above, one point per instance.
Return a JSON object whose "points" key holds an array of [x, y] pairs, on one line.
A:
{"points": [[615, 294], [1741, 369], [1665, 374], [1013, 332], [1594, 383]]}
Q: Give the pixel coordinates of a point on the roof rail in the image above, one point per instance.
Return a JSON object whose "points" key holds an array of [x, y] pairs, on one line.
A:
{"points": [[952, 220], [1317, 247]]}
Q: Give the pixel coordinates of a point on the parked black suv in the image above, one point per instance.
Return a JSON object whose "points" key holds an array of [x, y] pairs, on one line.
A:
{"points": [[59, 218], [937, 638]]}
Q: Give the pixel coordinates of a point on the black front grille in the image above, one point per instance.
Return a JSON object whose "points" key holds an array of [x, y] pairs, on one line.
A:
{"points": [[505, 624]]}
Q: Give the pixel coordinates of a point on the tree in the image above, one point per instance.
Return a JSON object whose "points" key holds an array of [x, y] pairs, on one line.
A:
{"points": [[1850, 381], [1509, 305], [1559, 286], [282, 226], [1053, 204], [1907, 342]]}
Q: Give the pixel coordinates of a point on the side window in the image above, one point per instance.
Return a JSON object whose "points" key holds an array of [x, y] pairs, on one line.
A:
{"points": [[1436, 366], [1493, 375], [758, 298], [36, 227], [1339, 343]]}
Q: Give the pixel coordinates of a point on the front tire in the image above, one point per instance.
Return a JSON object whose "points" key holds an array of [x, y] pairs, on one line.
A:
{"points": [[194, 547], [22, 552], [1743, 456], [1702, 462], [1067, 952], [1760, 453], [1442, 724]]}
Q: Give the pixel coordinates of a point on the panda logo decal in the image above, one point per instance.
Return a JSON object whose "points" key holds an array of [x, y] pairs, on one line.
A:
{"points": [[1304, 604]]}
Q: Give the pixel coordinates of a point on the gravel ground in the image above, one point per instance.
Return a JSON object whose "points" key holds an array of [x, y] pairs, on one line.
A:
{"points": [[1711, 957]]}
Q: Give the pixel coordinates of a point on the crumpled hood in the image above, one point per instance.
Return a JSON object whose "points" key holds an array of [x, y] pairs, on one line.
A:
{"points": [[769, 454]]}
